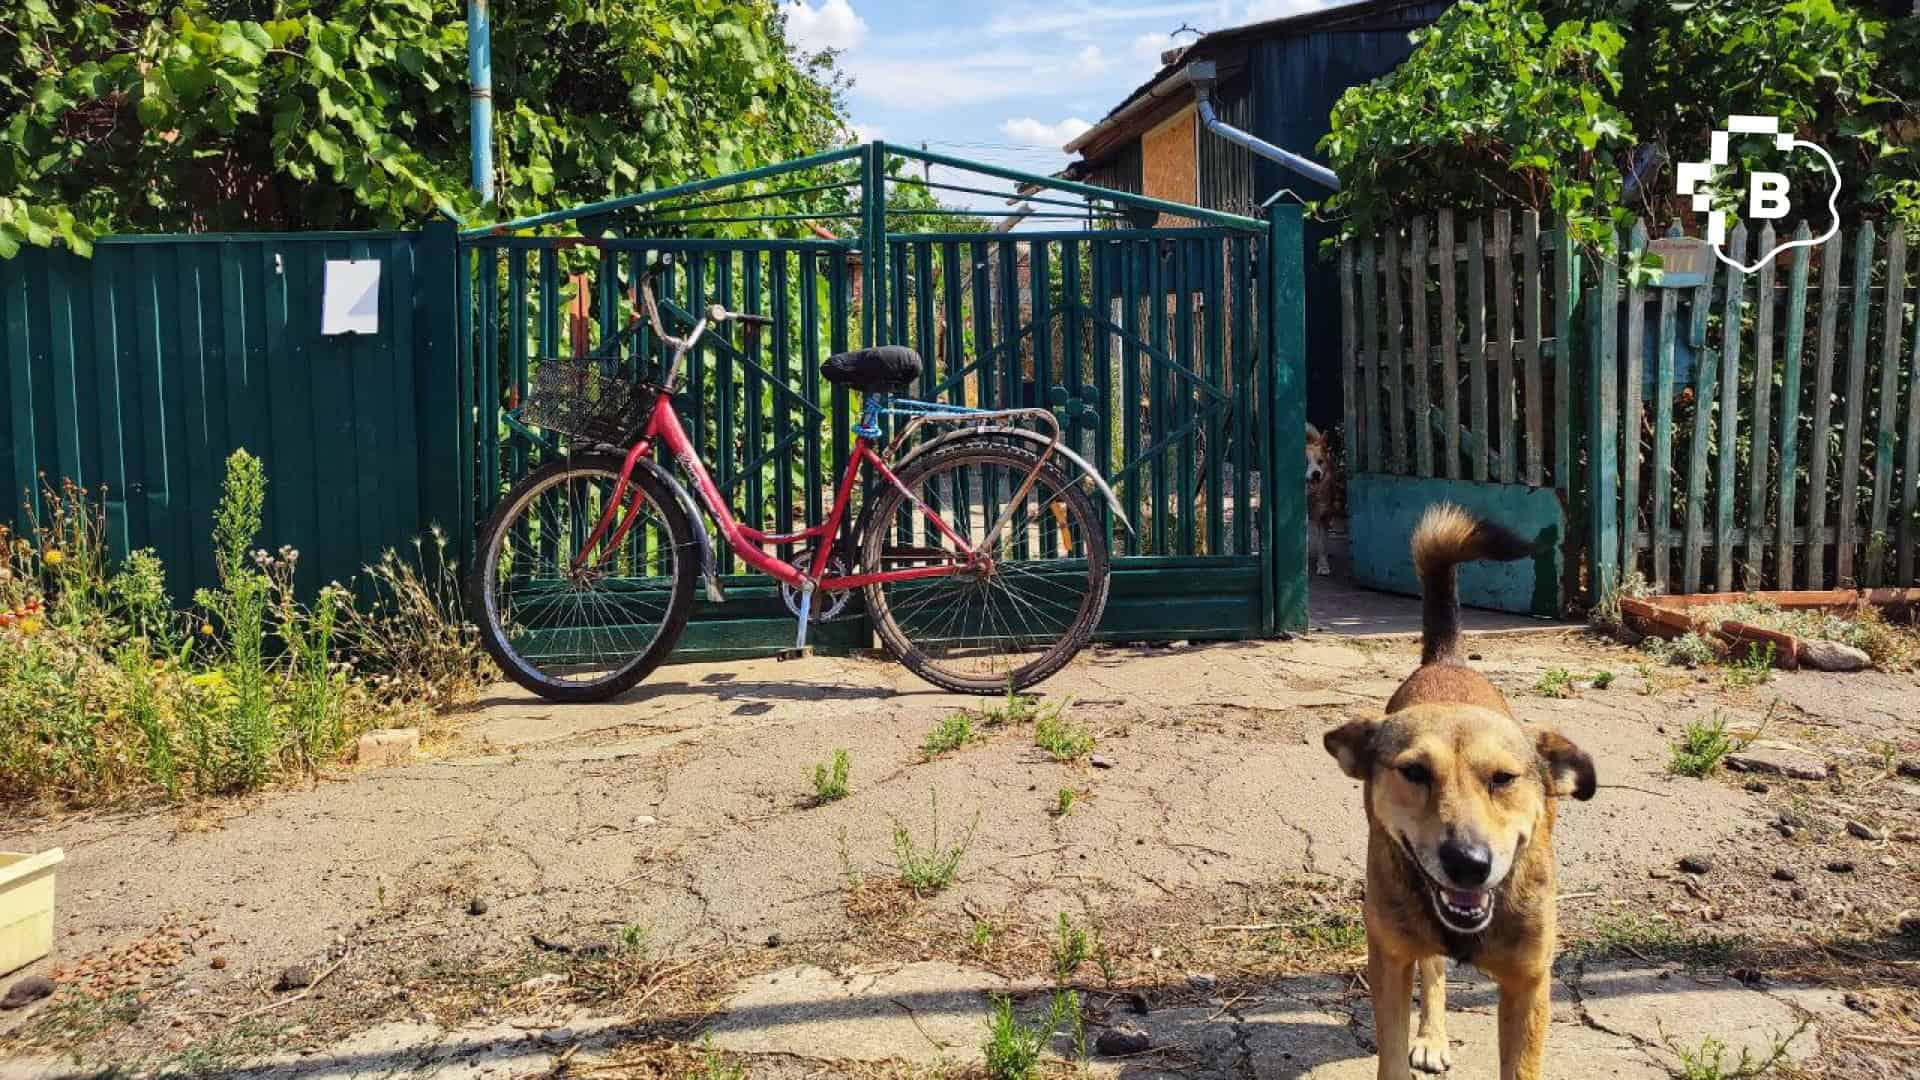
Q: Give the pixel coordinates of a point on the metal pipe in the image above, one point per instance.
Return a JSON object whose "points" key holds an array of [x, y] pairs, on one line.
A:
{"points": [[1201, 74], [480, 89]]}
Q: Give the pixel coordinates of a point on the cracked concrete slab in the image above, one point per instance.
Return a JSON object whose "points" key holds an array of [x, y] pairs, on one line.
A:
{"points": [[1668, 1011], [925, 1012]]}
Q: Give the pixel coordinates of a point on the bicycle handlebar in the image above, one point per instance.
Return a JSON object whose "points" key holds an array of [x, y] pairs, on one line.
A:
{"points": [[683, 345]]}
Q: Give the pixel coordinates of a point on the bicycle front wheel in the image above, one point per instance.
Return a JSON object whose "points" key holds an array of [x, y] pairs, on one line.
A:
{"points": [[1011, 618], [573, 622]]}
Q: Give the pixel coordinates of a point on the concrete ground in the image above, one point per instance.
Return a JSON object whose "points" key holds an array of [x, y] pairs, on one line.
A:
{"points": [[649, 887]]}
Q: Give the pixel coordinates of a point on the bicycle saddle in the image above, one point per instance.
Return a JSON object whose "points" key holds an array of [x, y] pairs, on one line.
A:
{"points": [[885, 369]]}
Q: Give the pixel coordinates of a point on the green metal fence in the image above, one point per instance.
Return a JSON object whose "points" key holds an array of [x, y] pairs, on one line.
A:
{"points": [[1166, 353], [136, 372], [1172, 355]]}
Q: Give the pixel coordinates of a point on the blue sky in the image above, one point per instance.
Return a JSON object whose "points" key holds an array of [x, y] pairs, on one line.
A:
{"points": [[997, 80]]}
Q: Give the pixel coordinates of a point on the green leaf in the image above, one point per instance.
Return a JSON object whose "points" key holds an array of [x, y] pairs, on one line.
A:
{"points": [[324, 148]]}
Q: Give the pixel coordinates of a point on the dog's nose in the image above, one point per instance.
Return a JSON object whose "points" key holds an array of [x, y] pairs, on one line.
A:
{"points": [[1467, 864], [1313, 476]]}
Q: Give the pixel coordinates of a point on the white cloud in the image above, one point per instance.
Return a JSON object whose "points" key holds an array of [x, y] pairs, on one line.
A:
{"points": [[921, 80], [1091, 61], [1027, 131], [1148, 47], [832, 25]]}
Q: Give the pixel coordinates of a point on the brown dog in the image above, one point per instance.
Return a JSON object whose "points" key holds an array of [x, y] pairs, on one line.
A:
{"points": [[1460, 810], [1322, 491]]}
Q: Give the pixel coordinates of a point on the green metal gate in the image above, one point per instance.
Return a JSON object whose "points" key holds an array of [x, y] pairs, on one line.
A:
{"points": [[1172, 355]]}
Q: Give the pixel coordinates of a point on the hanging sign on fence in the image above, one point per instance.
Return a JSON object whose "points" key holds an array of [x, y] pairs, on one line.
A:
{"points": [[351, 301]]}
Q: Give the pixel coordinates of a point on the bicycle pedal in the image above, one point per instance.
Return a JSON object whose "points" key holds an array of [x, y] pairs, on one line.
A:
{"points": [[803, 653]]}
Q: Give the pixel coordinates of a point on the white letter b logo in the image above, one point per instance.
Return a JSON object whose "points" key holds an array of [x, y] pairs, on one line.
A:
{"points": [[1768, 195]]}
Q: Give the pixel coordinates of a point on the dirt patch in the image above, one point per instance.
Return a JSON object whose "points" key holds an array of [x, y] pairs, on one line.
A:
{"points": [[638, 866]]}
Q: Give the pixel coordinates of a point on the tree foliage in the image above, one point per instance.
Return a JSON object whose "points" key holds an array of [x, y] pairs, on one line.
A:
{"points": [[196, 115], [1583, 108]]}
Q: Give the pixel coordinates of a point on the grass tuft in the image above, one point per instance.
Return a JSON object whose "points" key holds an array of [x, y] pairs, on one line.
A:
{"points": [[830, 778], [948, 735], [1700, 747], [1062, 739], [1556, 683], [932, 867]]}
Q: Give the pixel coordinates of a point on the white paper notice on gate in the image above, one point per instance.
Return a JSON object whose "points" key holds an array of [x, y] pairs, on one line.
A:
{"points": [[351, 302]]}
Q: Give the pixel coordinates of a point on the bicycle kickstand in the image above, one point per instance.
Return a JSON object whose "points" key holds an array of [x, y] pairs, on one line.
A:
{"points": [[800, 648]]}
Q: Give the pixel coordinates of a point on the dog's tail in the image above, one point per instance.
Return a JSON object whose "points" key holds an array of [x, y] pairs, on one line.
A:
{"points": [[1446, 537]]}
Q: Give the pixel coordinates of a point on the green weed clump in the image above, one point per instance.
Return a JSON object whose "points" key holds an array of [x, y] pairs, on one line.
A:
{"points": [[830, 778], [930, 867], [108, 690], [1700, 747]]}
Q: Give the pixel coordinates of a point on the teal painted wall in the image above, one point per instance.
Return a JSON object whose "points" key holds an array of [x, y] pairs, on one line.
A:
{"points": [[1384, 510]]}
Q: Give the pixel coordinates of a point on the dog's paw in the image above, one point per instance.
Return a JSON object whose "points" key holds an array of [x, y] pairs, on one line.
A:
{"points": [[1325, 569], [1430, 1055]]}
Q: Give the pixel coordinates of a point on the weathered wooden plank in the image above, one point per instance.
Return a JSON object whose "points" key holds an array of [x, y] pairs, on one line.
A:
{"points": [[1763, 433], [1889, 401], [1705, 376], [1503, 341], [1392, 373], [1661, 528], [1477, 343], [1350, 360], [1449, 347], [1790, 406], [1631, 423], [1847, 524], [1533, 421], [1730, 321], [1603, 400], [1370, 418], [1910, 478], [1566, 299], [1817, 447], [1420, 364]]}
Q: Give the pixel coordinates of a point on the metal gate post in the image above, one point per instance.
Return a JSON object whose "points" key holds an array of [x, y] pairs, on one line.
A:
{"points": [[873, 244], [446, 444], [1286, 420]]}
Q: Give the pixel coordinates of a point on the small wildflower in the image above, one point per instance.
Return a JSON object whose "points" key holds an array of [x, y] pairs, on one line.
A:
{"points": [[30, 625], [53, 557], [206, 629]]}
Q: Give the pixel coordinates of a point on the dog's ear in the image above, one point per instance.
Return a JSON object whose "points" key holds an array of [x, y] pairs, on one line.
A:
{"points": [[1313, 434], [1351, 744], [1569, 769]]}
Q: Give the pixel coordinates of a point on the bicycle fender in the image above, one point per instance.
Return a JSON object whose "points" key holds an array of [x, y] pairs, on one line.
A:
{"points": [[1040, 443], [708, 570]]}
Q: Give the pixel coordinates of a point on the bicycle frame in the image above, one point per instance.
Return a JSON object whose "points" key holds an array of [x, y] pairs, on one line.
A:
{"points": [[665, 430]]}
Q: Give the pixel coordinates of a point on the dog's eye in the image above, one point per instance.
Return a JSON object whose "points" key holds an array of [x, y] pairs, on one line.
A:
{"points": [[1499, 781], [1416, 773]]}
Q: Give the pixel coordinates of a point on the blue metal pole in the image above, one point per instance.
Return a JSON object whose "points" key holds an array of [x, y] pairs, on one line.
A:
{"points": [[480, 82]]}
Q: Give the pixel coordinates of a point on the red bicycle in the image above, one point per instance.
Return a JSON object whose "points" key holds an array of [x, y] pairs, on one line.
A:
{"points": [[982, 560]]}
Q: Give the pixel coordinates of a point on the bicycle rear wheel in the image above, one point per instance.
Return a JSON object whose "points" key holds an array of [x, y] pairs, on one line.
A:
{"points": [[572, 629], [1021, 615]]}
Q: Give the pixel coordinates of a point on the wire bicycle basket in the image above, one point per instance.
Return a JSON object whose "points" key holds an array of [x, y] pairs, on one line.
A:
{"points": [[587, 399]]}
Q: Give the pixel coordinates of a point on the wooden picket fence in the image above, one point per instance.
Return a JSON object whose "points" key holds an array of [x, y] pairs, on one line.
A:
{"points": [[1486, 385], [1751, 430]]}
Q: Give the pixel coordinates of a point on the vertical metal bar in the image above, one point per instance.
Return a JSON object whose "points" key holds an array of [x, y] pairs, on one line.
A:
{"points": [[1760, 430], [1245, 384], [1215, 254], [480, 93], [753, 405], [1135, 256], [873, 244], [814, 480], [1566, 301], [1157, 398], [1790, 405], [1705, 382], [517, 352], [1184, 393], [781, 395]]}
